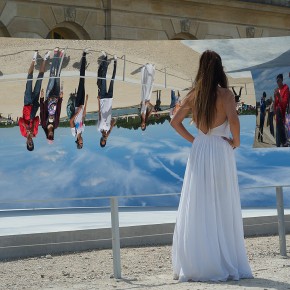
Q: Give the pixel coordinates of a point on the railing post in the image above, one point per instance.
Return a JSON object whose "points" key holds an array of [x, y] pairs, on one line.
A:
{"points": [[165, 77], [61, 61], [115, 237], [124, 68], [281, 220]]}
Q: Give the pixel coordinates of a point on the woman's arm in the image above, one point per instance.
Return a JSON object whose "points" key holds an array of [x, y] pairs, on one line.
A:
{"points": [[176, 121], [85, 108], [35, 126], [42, 110], [99, 108], [113, 123], [148, 111], [58, 111], [71, 121]]}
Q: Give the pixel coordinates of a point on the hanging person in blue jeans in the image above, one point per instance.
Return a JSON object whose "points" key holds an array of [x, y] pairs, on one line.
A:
{"points": [[77, 121], [262, 116], [50, 108], [28, 124], [105, 99], [175, 103]]}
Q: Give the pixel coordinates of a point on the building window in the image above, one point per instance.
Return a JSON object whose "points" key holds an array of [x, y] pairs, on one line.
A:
{"points": [[55, 35]]}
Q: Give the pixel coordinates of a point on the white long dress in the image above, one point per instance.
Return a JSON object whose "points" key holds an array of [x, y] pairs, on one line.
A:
{"points": [[147, 79], [104, 123], [208, 240]]}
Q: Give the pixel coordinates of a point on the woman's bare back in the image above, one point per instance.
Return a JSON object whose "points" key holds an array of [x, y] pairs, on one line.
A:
{"points": [[221, 111]]}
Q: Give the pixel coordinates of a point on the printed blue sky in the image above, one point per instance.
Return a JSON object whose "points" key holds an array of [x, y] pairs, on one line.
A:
{"points": [[265, 80], [243, 53], [136, 162], [133, 163]]}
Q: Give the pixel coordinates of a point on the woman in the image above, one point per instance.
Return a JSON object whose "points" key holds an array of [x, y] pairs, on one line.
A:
{"points": [[50, 108], [105, 99], [77, 124], [147, 79], [208, 241]]}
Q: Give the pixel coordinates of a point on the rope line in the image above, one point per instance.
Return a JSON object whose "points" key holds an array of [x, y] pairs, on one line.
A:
{"points": [[94, 50], [84, 198], [115, 196], [156, 85]]}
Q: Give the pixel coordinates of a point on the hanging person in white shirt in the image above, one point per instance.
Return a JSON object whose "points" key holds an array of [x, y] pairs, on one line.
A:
{"points": [[147, 78], [77, 121], [105, 99]]}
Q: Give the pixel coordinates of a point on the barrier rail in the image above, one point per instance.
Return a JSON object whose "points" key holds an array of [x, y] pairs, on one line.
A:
{"points": [[115, 217], [123, 57]]}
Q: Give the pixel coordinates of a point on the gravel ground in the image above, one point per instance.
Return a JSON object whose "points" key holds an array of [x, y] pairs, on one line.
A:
{"points": [[142, 268]]}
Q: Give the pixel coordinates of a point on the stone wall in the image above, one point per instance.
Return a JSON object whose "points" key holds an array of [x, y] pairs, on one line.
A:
{"points": [[142, 19], [37, 20]]}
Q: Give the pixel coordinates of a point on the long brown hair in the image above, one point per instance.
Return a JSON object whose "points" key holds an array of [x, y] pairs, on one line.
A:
{"points": [[210, 75]]}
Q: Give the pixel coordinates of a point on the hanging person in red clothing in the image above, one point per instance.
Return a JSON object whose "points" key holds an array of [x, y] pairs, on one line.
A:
{"points": [[28, 124], [281, 101]]}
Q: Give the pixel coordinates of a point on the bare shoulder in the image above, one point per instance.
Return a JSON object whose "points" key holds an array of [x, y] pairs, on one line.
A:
{"points": [[225, 95], [187, 101]]}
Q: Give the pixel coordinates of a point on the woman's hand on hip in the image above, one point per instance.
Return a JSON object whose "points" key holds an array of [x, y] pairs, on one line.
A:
{"points": [[230, 141]]}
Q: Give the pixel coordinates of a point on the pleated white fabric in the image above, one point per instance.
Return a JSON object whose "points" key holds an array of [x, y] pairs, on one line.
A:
{"points": [[208, 241], [147, 79]]}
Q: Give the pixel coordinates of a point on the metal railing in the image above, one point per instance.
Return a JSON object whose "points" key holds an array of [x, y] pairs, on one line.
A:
{"points": [[162, 70], [114, 207]]}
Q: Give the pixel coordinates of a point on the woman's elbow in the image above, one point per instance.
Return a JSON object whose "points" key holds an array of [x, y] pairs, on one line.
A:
{"points": [[173, 123], [234, 122]]}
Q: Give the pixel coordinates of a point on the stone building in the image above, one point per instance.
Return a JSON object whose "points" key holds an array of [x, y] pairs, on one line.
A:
{"points": [[144, 19]]}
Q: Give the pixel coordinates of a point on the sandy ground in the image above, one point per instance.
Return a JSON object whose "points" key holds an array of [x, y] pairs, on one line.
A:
{"points": [[180, 62], [142, 268]]}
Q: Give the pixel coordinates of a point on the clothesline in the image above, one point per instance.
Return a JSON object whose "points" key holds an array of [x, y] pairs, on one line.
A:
{"points": [[98, 51], [90, 77], [95, 77]]}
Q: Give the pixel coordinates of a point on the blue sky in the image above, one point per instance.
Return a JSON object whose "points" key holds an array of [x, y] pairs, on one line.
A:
{"points": [[239, 54], [150, 162], [132, 163], [265, 80], [242, 53]]}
